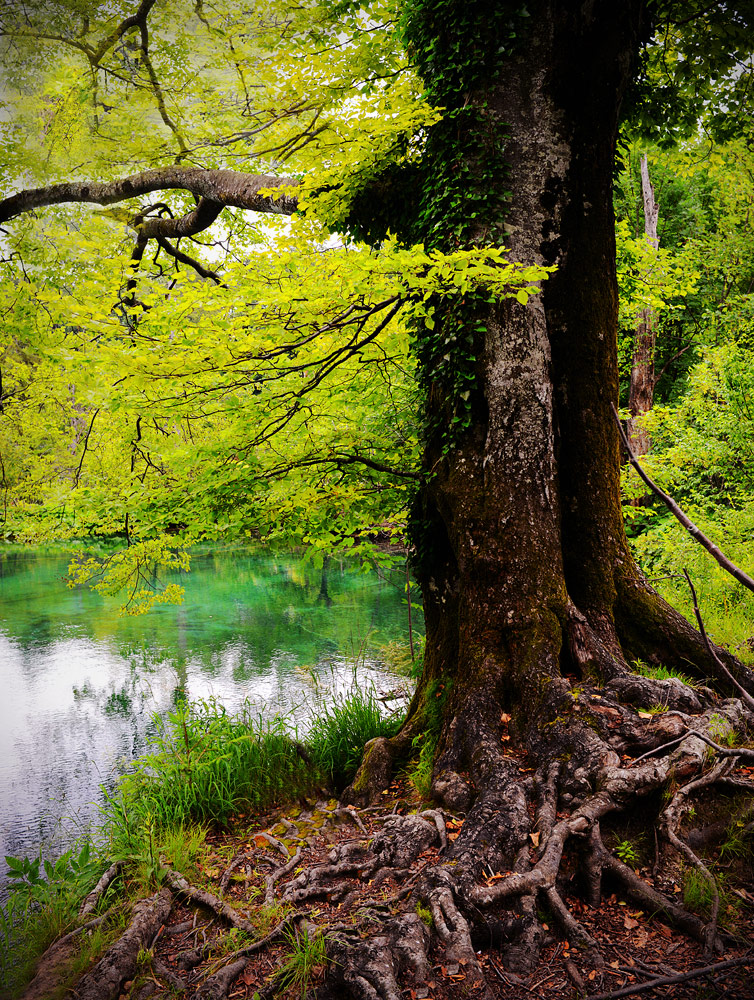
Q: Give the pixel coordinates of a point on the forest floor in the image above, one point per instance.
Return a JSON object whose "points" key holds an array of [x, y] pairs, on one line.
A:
{"points": [[250, 866]]}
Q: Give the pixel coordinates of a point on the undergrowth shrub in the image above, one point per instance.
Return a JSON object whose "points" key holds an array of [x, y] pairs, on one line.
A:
{"points": [[42, 903]]}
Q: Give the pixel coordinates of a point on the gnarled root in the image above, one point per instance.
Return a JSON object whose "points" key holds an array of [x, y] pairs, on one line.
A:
{"points": [[515, 853], [120, 961], [403, 899]]}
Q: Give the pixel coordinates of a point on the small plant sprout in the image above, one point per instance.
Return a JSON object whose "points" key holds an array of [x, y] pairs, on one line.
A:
{"points": [[627, 853]]}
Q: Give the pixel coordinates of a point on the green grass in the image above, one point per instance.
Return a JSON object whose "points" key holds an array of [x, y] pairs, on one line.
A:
{"points": [[698, 895], [420, 770], [43, 904], [397, 657], [737, 844], [204, 765], [660, 673], [307, 958], [340, 731]]}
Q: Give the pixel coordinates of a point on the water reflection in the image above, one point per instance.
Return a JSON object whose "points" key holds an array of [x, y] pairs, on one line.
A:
{"points": [[80, 683]]}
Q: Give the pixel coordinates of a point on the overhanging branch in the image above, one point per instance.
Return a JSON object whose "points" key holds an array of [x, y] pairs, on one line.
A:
{"points": [[224, 188], [339, 460]]}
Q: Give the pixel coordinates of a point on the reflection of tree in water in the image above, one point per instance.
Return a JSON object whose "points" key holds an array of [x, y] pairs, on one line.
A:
{"points": [[231, 597], [12, 563], [324, 595], [127, 700]]}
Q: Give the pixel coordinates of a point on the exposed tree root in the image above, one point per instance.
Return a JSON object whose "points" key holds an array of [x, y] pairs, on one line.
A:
{"points": [[481, 897], [119, 963], [179, 885], [527, 827], [90, 903]]}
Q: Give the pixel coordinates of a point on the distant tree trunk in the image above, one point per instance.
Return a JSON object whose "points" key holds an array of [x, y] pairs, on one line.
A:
{"points": [[641, 393]]}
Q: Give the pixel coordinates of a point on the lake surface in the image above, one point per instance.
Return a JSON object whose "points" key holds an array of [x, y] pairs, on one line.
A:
{"points": [[80, 683]]}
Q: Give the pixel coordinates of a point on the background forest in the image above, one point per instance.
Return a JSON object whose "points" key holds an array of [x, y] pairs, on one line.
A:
{"points": [[700, 284]]}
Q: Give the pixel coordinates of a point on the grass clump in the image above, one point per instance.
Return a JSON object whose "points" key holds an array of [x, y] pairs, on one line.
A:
{"points": [[306, 961], [204, 765], [340, 731], [698, 895], [420, 770], [398, 657], [660, 673]]}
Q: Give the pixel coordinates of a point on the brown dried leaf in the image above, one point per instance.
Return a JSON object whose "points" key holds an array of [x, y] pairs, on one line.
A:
{"points": [[534, 838]]}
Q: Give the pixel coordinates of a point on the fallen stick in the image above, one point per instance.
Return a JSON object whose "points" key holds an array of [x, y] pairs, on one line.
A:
{"points": [[710, 649], [682, 977]]}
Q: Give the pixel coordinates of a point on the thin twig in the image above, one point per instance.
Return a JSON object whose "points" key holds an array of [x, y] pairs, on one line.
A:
{"points": [[683, 977], [86, 445], [699, 536], [710, 648]]}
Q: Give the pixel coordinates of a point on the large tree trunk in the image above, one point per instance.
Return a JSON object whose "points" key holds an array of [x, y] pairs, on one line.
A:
{"points": [[528, 582], [523, 562]]}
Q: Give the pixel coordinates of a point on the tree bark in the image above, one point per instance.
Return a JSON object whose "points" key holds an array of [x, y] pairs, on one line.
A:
{"points": [[527, 577]]}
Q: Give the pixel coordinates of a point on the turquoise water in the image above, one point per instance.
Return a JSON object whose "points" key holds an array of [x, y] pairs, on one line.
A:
{"points": [[80, 683]]}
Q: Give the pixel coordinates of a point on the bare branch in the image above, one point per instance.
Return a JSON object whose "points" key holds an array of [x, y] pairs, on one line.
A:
{"points": [[190, 224], [340, 459], [227, 188], [184, 258], [711, 650], [674, 509], [681, 977], [83, 452]]}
